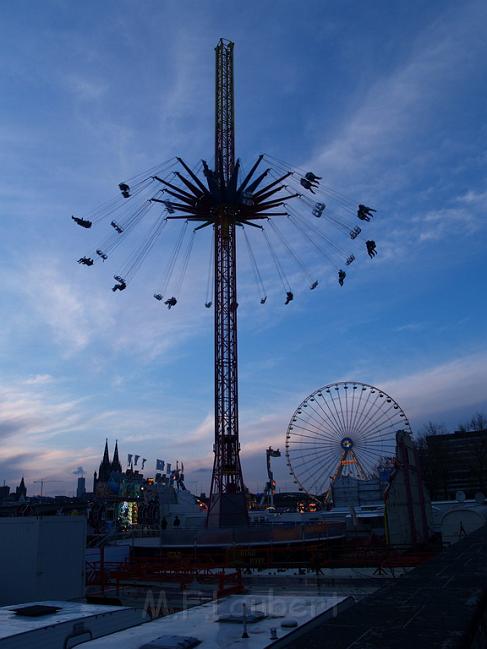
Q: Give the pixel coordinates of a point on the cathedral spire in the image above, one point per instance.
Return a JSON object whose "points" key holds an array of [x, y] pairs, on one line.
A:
{"points": [[106, 458], [105, 466], [116, 466], [21, 490]]}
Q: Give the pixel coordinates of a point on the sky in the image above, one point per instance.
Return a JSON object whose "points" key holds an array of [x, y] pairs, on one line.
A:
{"points": [[385, 100]]}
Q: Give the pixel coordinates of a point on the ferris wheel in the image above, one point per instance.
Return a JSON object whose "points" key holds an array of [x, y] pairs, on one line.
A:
{"points": [[343, 429]]}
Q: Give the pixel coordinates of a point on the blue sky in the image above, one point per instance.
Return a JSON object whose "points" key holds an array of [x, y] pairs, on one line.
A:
{"points": [[385, 100]]}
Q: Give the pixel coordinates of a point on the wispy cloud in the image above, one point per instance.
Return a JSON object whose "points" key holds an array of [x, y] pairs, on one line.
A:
{"points": [[39, 379], [411, 326], [450, 221], [86, 89], [52, 300], [454, 384]]}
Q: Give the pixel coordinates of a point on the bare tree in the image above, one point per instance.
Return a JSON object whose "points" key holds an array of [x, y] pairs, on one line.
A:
{"points": [[432, 428], [478, 423]]}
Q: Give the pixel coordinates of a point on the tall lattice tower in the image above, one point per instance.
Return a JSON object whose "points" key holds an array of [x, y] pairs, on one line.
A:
{"points": [[227, 497]]}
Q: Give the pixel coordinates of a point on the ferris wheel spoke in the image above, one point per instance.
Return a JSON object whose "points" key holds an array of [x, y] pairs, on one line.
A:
{"points": [[337, 405], [314, 442], [304, 467], [320, 471], [309, 417], [298, 454], [335, 416], [370, 451], [370, 404], [384, 434], [358, 406], [302, 454], [391, 415], [309, 431], [333, 423], [370, 459], [314, 456], [378, 434], [378, 443], [340, 411], [361, 406], [366, 406], [377, 450], [353, 410], [331, 416], [325, 421], [318, 414], [304, 471], [383, 407], [388, 415], [346, 412], [325, 484], [384, 442], [374, 426], [318, 427]]}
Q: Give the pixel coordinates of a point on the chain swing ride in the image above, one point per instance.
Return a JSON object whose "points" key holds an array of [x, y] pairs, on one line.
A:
{"points": [[277, 208]]}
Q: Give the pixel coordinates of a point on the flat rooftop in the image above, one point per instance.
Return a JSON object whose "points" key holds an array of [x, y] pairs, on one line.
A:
{"points": [[12, 624], [441, 604], [202, 622]]}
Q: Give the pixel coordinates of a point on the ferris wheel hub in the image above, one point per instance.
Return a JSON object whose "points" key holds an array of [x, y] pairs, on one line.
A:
{"points": [[346, 443]]}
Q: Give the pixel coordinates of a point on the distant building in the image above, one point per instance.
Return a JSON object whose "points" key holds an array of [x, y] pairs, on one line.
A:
{"points": [[348, 491], [4, 492], [21, 491], [106, 469], [455, 462], [81, 488], [41, 558]]}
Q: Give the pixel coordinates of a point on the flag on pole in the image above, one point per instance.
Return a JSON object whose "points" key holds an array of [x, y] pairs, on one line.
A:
{"points": [[159, 465], [136, 459]]}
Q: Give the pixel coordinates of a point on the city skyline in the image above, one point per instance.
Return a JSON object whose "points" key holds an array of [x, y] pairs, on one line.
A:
{"points": [[386, 104]]}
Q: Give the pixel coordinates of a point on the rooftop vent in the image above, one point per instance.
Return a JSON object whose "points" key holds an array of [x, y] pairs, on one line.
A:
{"points": [[36, 610]]}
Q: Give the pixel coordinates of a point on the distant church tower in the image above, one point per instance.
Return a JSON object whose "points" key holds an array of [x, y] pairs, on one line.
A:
{"points": [[116, 466], [21, 491], [105, 466]]}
